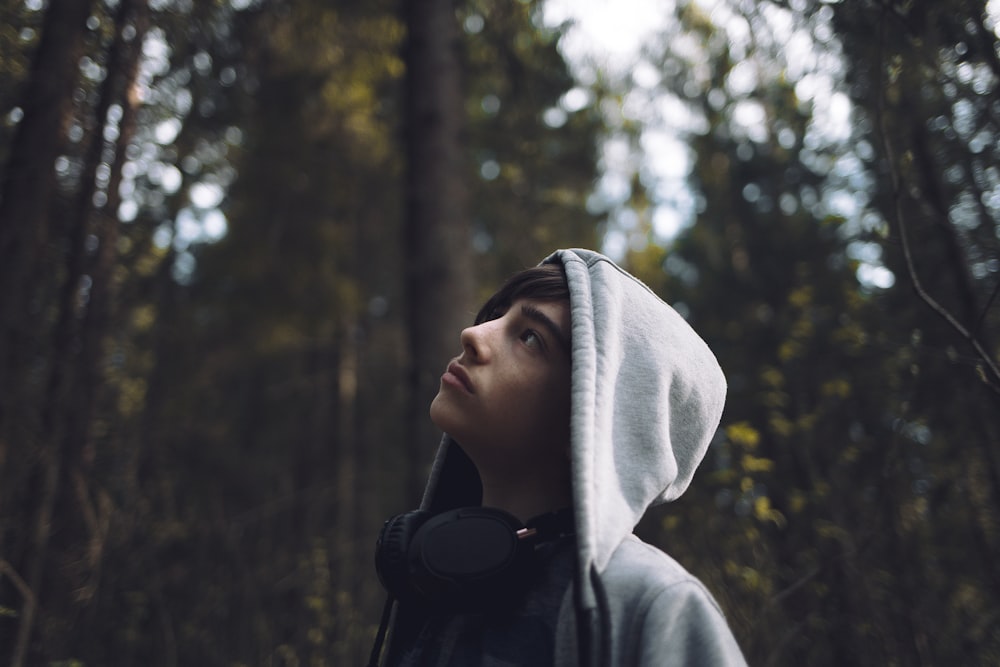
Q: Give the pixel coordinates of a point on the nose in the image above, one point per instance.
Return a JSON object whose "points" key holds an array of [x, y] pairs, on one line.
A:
{"points": [[475, 342]]}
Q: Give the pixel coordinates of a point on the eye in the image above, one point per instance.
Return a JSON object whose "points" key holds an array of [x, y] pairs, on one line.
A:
{"points": [[531, 338]]}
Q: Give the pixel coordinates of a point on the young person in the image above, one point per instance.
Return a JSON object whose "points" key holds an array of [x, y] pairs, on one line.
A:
{"points": [[579, 399]]}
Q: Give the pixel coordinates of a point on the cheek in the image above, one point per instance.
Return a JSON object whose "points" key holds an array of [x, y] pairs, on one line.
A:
{"points": [[549, 403]]}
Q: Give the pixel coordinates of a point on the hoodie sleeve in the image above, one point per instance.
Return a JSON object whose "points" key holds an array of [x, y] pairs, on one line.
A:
{"points": [[684, 627]]}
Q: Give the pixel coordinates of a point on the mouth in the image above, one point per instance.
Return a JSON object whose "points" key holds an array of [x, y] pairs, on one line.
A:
{"points": [[458, 375]]}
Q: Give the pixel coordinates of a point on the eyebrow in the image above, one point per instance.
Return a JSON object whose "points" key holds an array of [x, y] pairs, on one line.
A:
{"points": [[537, 316]]}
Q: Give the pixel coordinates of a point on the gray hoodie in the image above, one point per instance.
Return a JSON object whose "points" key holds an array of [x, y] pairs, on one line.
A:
{"points": [[647, 396]]}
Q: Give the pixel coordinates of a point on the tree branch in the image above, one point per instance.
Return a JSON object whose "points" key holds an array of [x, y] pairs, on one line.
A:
{"points": [[990, 369], [27, 617], [20, 584]]}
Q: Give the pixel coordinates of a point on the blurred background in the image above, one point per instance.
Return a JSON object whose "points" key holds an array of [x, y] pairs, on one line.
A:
{"points": [[238, 239]]}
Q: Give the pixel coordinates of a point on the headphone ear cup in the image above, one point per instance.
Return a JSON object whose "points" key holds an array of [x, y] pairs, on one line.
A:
{"points": [[469, 558], [391, 552], [463, 558]]}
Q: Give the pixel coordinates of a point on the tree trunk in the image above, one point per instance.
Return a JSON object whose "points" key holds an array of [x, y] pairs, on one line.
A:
{"points": [[100, 314], [75, 369], [29, 180], [436, 230], [26, 195]]}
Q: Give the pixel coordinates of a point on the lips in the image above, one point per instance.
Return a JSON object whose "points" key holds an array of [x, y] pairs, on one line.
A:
{"points": [[456, 371]]}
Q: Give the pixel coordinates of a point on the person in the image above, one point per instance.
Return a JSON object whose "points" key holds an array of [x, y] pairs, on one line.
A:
{"points": [[579, 400]]}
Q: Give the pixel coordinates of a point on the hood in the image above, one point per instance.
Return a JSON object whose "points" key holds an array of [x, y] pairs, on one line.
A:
{"points": [[647, 396]]}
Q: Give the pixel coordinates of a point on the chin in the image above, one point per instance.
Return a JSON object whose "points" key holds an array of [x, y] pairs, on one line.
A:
{"points": [[454, 421], [443, 414]]}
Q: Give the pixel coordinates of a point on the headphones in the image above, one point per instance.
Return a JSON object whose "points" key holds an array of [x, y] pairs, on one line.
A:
{"points": [[464, 558]]}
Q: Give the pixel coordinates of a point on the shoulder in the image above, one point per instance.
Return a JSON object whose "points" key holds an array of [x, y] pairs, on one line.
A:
{"points": [[641, 567], [658, 608]]}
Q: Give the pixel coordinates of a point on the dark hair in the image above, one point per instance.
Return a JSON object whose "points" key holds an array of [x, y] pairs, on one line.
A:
{"points": [[546, 282]]}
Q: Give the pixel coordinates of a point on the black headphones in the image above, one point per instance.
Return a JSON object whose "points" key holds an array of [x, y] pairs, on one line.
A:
{"points": [[465, 557]]}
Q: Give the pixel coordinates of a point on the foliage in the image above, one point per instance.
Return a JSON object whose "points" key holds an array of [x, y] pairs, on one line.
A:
{"points": [[245, 440], [211, 366], [853, 419]]}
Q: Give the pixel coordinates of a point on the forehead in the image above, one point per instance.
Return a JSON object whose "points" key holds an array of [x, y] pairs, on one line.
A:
{"points": [[541, 283]]}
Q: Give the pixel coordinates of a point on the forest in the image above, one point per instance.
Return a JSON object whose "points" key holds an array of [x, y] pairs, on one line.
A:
{"points": [[238, 239]]}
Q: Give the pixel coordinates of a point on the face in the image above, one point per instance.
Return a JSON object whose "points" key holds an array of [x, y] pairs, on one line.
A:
{"points": [[506, 398]]}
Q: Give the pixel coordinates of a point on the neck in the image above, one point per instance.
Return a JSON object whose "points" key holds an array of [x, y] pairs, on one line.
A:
{"points": [[525, 498]]}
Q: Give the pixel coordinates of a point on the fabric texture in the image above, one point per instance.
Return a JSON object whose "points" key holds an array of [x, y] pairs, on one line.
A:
{"points": [[647, 397]]}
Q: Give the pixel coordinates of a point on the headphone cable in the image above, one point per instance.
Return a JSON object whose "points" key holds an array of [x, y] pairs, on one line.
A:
{"points": [[380, 635]]}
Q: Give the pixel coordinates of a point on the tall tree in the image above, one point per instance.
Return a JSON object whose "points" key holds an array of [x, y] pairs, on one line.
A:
{"points": [[924, 79], [846, 513], [26, 199], [437, 237], [531, 162], [62, 502], [238, 330], [26, 193]]}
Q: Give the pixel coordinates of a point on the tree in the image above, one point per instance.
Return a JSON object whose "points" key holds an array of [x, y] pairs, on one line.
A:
{"points": [[935, 194], [28, 184], [857, 519], [437, 239], [534, 160], [231, 350]]}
